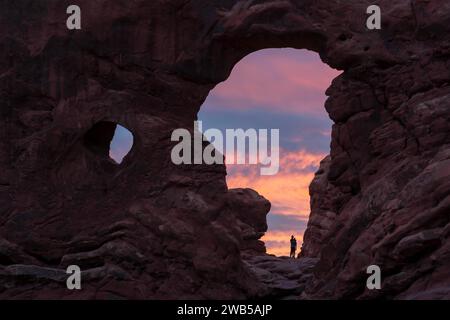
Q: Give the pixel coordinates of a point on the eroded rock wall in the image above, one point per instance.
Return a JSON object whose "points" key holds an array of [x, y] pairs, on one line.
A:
{"points": [[150, 229]]}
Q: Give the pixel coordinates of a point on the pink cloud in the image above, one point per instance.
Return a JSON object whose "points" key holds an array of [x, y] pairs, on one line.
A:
{"points": [[289, 189], [276, 79]]}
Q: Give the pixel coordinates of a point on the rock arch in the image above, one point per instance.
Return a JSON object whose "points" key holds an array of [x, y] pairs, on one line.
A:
{"points": [[381, 197]]}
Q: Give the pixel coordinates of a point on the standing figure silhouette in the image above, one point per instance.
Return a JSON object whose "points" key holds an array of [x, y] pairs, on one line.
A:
{"points": [[293, 247]]}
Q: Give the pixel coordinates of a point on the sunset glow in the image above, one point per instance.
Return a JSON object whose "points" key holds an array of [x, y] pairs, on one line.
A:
{"points": [[278, 89]]}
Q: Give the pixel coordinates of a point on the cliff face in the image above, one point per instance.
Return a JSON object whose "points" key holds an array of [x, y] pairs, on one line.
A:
{"points": [[149, 229]]}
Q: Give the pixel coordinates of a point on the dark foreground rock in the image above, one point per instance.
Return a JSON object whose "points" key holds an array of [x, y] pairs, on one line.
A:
{"points": [[150, 229], [283, 277]]}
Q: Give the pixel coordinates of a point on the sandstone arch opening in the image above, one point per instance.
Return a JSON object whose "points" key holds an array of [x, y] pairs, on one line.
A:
{"points": [[109, 139], [285, 89]]}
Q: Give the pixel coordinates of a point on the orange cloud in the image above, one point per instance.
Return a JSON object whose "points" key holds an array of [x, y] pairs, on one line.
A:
{"points": [[288, 191], [277, 242]]}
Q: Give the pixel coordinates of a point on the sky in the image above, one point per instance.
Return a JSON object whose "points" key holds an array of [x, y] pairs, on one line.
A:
{"points": [[271, 89], [121, 143], [277, 89]]}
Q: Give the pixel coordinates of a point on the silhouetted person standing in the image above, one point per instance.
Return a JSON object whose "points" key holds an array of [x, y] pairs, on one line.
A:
{"points": [[293, 247]]}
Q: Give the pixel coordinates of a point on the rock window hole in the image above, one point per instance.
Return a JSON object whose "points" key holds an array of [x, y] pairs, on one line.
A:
{"points": [[109, 140]]}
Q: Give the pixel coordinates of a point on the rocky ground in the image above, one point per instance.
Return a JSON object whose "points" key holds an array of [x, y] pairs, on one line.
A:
{"points": [[283, 277]]}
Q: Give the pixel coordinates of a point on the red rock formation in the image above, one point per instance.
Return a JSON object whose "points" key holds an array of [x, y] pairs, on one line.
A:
{"points": [[250, 210], [149, 229]]}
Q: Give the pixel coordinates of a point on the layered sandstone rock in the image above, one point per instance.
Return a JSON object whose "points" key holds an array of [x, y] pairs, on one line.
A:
{"points": [[283, 278], [149, 229], [250, 210]]}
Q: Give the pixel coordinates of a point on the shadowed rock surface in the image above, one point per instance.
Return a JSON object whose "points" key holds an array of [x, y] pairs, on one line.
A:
{"points": [[283, 277], [150, 229]]}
